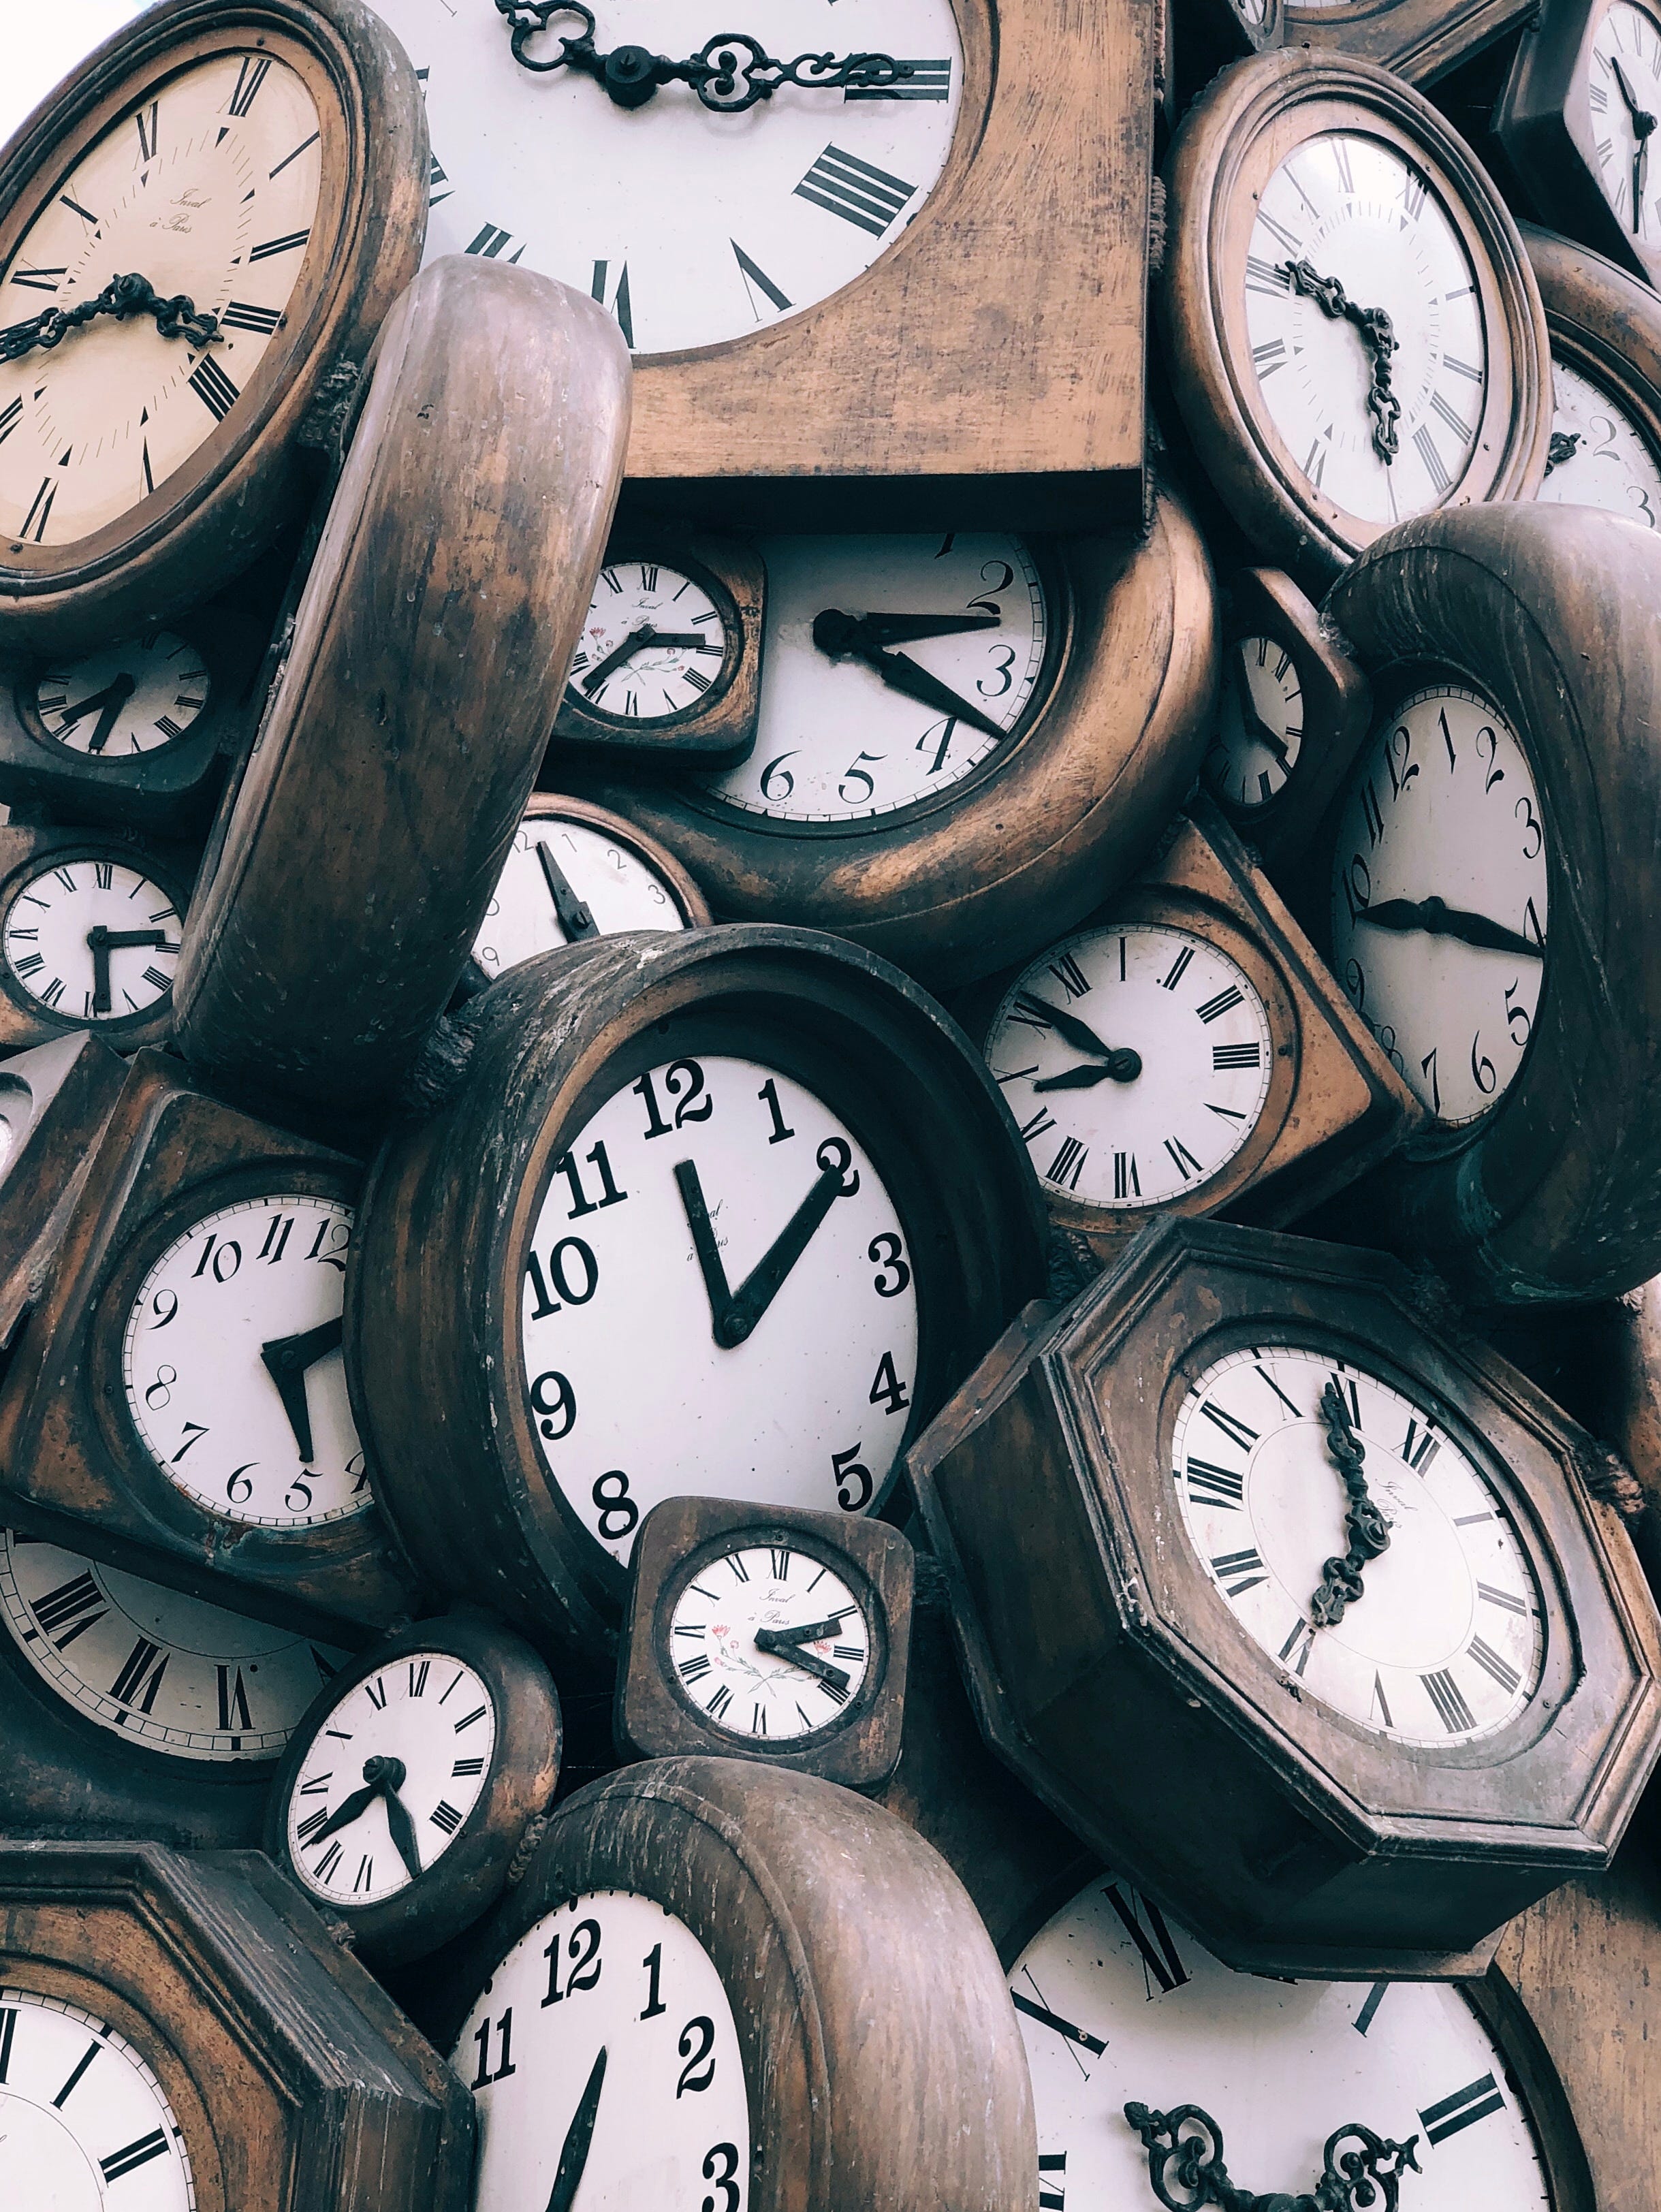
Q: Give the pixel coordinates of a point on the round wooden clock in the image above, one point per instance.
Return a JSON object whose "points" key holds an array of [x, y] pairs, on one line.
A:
{"points": [[1354, 332], [716, 1211], [1606, 373], [1490, 868], [204, 226], [962, 736], [710, 1987]]}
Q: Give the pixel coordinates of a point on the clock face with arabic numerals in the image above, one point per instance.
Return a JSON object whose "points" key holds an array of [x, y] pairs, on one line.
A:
{"points": [[1599, 455], [690, 228], [1118, 2005]]}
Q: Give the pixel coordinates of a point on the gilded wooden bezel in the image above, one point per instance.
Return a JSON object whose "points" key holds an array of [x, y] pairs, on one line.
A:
{"points": [[223, 505], [1231, 143], [1420, 39], [1605, 323]]}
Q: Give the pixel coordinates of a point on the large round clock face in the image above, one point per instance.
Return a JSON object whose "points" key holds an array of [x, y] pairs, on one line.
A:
{"points": [[689, 227], [125, 699], [1444, 1645], [894, 667], [604, 2062], [1117, 2007], [84, 2124], [1599, 455], [155, 1667], [208, 187], [91, 939], [1439, 899], [392, 1771], [232, 1364], [654, 645], [1260, 724], [718, 1298], [1135, 1060], [774, 1695], [1624, 88], [1346, 223], [556, 869]]}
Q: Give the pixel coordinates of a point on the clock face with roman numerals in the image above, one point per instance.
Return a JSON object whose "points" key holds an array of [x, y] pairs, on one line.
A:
{"points": [[689, 227], [158, 1670], [125, 699], [84, 2123], [207, 186], [1444, 1645], [1118, 2005], [90, 939], [392, 1773], [796, 1686]]}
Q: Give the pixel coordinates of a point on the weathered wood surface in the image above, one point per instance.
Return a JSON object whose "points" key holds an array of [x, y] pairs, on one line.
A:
{"points": [[1420, 39]]}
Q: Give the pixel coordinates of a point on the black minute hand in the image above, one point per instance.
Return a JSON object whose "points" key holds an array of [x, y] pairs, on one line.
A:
{"points": [[734, 1314], [573, 2151], [287, 1360], [1438, 919]]}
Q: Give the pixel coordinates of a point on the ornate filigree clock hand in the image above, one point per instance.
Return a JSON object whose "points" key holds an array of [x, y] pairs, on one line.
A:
{"points": [[573, 2151], [286, 1359], [101, 942], [841, 637], [1377, 335], [1351, 2180], [729, 73], [1438, 919], [1564, 444], [1341, 1582], [734, 1314], [1123, 1066], [575, 916], [175, 318]]}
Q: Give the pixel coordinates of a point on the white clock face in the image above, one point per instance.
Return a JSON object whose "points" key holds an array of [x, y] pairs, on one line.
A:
{"points": [[1624, 88], [632, 1397], [1260, 724], [1135, 1060], [603, 2052], [392, 1771], [1444, 1646], [554, 863], [654, 643], [1439, 904], [1609, 462], [207, 189], [1119, 2007], [156, 1667], [688, 227], [84, 2124], [769, 1694], [852, 726], [126, 699], [92, 939], [1358, 213], [232, 1361]]}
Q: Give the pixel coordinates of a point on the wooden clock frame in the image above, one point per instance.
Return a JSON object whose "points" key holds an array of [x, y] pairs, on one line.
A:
{"points": [[296, 2081], [54, 1102], [1107, 1669], [75, 1471], [1605, 323], [220, 509], [1420, 39], [851, 415]]}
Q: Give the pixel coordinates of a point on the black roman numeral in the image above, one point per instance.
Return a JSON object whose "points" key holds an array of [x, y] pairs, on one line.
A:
{"points": [[233, 1700], [1181, 1158], [1071, 977], [213, 387], [490, 242], [860, 193], [1419, 1451], [622, 300], [147, 1663], [1051, 2199], [1069, 1164], [10, 418], [1462, 2110], [1216, 1485], [1302, 1642], [1240, 1571], [40, 507], [1224, 1003], [1492, 1663], [1435, 467], [154, 2145], [145, 121], [1127, 1183], [73, 1606], [295, 239], [1159, 1956], [240, 316], [1177, 969], [38, 280], [1503, 1599], [1042, 1122], [444, 1815], [1236, 1055], [1445, 1693], [249, 77]]}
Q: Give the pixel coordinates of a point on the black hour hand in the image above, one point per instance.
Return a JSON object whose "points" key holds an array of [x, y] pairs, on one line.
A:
{"points": [[579, 2136], [286, 1359], [736, 1313], [787, 1643]]}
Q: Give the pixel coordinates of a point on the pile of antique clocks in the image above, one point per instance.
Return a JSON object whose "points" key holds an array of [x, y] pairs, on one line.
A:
{"points": [[826, 1169]]}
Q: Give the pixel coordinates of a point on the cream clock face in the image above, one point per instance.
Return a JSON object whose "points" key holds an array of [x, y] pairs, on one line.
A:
{"points": [[771, 1696], [1357, 213], [393, 1770], [1624, 88], [858, 722], [1599, 457], [1444, 1646], [1260, 724], [233, 1368], [91, 939], [667, 1201], [1440, 907], [156, 1668], [689, 227], [1135, 1060], [1119, 2006], [207, 189], [84, 2124], [605, 2063], [126, 699], [652, 646], [555, 868]]}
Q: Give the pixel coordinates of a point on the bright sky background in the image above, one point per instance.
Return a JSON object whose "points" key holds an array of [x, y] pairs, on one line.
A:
{"points": [[41, 41]]}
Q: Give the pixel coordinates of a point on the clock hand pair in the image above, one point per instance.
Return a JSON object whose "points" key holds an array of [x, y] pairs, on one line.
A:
{"points": [[107, 705], [636, 641], [787, 1643], [1643, 127], [1087, 1078], [101, 942], [287, 1360], [1185, 2166], [1251, 716], [1377, 336], [843, 637], [383, 1778], [575, 916], [734, 1314], [1438, 919], [175, 318], [579, 2137], [1123, 1066], [1341, 1584]]}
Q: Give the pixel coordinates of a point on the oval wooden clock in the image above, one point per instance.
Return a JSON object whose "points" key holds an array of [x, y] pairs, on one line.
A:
{"points": [[965, 739], [203, 228], [1606, 373], [1490, 868], [709, 1986], [751, 1172], [1354, 330]]}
